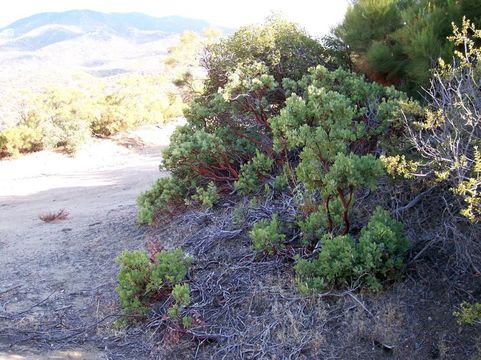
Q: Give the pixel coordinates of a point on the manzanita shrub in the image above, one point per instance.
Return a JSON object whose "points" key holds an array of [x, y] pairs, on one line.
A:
{"points": [[207, 197], [253, 172], [142, 281], [265, 122], [228, 123], [181, 297], [337, 122], [164, 195], [267, 235], [378, 255]]}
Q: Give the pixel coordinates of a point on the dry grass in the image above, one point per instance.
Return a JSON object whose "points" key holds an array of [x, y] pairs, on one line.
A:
{"points": [[249, 307], [61, 214]]}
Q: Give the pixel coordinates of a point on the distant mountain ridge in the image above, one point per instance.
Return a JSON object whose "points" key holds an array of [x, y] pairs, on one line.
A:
{"points": [[40, 30]]}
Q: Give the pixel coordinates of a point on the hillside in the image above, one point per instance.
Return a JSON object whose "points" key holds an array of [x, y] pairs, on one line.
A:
{"points": [[99, 43], [41, 30], [67, 48], [302, 206]]}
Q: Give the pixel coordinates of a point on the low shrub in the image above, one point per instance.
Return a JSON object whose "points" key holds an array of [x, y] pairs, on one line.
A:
{"points": [[316, 223], [382, 246], [133, 278], [469, 314], [252, 172], [378, 255], [21, 139], [140, 279], [181, 297], [207, 197], [326, 122], [169, 269], [197, 154], [266, 235], [334, 265], [281, 181], [165, 194], [65, 132]]}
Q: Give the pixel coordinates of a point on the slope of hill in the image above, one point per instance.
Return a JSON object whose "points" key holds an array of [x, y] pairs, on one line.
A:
{"points": [[50, 49], [44, 29]]}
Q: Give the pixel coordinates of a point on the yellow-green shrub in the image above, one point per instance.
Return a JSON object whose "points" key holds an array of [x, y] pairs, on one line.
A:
{"points": [[21, 139]]}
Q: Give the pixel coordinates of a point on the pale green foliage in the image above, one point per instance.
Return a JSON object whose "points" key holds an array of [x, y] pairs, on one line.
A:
{"points": [[165, 193], [351, 172], [248, 78], [198, 153], [170, 268], [382, 246], [333, 266], [207, 197], [252, 172], [181, 297], [327, 123], [281, 181], [133, 278], [139, 279], [248, 90], [181, 294], [315, 224], [228, 121], [469, 314], [378, 255], [276, 43], [187, 322], [266, 235]]}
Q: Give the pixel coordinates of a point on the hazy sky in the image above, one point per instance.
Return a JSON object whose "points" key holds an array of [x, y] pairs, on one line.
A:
{"points": [[317, 16]]}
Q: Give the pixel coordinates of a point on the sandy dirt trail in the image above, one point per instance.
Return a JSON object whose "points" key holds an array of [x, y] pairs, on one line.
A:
{"points": [[57, 279]]}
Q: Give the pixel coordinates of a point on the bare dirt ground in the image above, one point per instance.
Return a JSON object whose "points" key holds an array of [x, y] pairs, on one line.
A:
{"points": [[57, 279]]}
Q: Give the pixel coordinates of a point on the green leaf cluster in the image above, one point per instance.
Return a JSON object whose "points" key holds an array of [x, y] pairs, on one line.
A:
{"points": [[164, 195], [252, 172], [139, 278], [181, 297], [469, 314], [336, 123], [207, 197], [378, 255], [267, 236], [285, 49], [227, 140]]}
